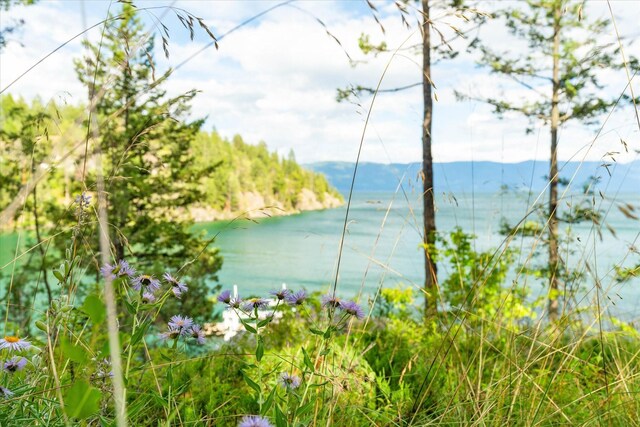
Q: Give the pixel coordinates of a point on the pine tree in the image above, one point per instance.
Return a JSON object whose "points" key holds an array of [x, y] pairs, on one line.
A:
{"points": [[430, 53], [561, 65], [146, 143], [8, 27]]}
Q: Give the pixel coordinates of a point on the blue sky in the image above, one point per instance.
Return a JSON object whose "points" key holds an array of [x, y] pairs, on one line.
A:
{"points": [[275, 80]]}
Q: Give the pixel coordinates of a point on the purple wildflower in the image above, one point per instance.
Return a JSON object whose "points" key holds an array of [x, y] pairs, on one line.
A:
{"points": [[281, 294], [254, 421], [104, 369], [232, 302], [5, 392], [15, 364], [124, 269], [177, 286], [172, 333], [148, 298], [330, 301], [181, 324], [197, 333], [104, 374], [255, 303], [297, 298], [14, 343], [235, 302], [83, 200], [149, 283], [225, 297], [352, 308], [107, 271], [288, 381]]}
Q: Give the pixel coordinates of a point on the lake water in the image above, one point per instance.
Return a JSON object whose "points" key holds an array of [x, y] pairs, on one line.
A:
{"points": [[381, 247]]}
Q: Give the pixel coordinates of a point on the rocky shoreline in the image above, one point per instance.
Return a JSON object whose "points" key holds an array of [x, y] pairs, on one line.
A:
{"points": [[254, 205]]}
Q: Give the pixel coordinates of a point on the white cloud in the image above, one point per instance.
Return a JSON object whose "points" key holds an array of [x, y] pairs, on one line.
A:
{"points": [[276, 79]]}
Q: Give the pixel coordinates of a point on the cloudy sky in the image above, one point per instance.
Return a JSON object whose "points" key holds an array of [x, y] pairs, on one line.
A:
{"points": [[275, 79]]}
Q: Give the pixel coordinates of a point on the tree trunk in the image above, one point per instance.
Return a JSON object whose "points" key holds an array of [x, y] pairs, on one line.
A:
{"points": [[553, 173], [429, 216]]}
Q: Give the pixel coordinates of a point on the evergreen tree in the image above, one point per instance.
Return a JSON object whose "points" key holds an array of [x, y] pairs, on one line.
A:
{"points": [[561, 65], [146, 143], [426, 49], [24, 147], [14, 25]]}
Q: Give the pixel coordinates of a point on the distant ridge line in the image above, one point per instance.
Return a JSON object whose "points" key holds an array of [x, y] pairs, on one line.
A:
{"points": [[489, 176]]}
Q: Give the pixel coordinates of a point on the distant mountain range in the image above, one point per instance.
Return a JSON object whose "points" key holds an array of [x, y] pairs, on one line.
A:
{"points": [[481, 177]]}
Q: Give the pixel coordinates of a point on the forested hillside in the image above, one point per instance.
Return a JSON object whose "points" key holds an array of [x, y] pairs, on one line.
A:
{"points": [[248, 178], [235, 177]]}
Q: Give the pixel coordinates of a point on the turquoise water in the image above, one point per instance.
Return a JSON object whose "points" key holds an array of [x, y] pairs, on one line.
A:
{"points": [[381, 247]]}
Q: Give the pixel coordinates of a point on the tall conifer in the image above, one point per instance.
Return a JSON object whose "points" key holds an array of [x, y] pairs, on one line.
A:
{"points": [[145, 139], [560, 63]]}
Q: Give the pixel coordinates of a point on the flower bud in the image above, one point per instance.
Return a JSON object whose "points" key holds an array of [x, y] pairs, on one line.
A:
{"points": [[41, 325]]}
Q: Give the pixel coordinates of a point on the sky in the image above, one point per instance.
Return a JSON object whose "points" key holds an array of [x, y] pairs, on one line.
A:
{"points": [[276, 78]]}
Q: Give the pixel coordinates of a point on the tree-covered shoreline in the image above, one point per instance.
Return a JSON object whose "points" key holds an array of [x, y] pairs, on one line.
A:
{"points": [[240, 179], [248, 179]]}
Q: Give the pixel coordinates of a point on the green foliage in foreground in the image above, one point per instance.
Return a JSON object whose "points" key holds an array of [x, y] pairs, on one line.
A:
{"points": [[386, 371], [311, 361]]}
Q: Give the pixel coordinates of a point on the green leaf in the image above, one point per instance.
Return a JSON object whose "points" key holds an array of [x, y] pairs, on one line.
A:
{"points": [[130, 308], [248, 327], [73, 352], [269, 401], [94, 308], [106, 422], [307, 360], [58, 275], [260, 349], [82, 400], [265, 322], [317, 331], [281, 419], [159, 400], [142, 329], [318, 385], [303, 409], [170, 376], [166, 356], [251, 383]]}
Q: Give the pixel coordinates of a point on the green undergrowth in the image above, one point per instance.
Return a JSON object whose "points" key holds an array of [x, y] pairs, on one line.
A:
{"points": [[387, 370]]}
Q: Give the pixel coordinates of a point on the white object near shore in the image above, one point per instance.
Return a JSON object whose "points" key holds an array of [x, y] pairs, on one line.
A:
{"points": [[231, 325]]}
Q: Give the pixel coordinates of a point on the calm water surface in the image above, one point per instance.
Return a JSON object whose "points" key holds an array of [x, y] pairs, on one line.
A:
{"points": [[381, 246]]}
